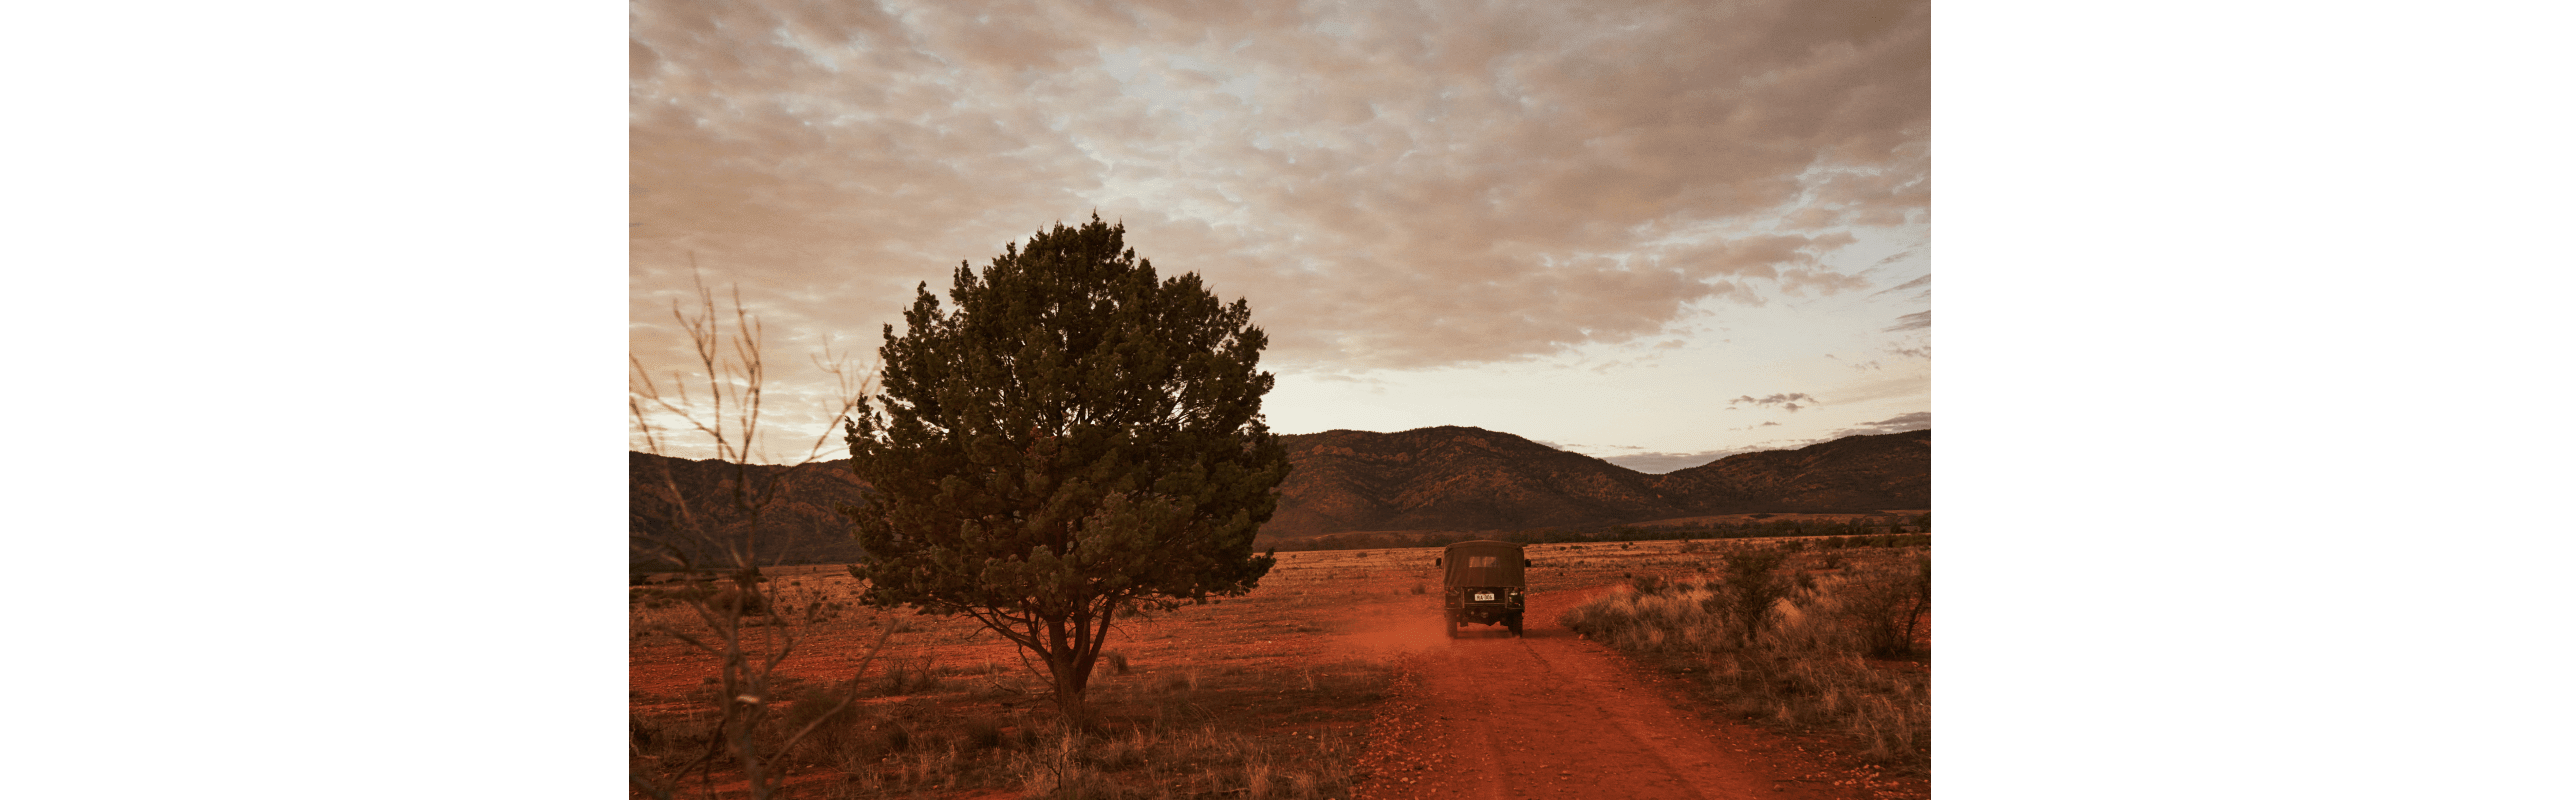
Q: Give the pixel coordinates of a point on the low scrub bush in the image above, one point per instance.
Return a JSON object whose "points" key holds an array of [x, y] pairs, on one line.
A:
{"points": [[1649, 584], [718, 599], [906, 676], [836, 714], [1749, 588], [1788, 649], [670, 736], [1203, 761], [1170, 736], [1882, 605]]}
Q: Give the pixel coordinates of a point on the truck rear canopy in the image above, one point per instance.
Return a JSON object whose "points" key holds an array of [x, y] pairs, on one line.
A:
{"points": [[1484, 563]]}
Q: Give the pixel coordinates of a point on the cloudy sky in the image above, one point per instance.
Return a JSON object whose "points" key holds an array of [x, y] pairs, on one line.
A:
{"points": [[1654, 232]]}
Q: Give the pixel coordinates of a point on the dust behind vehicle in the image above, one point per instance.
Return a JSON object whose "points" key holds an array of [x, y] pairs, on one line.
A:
{"points": [[1484, 582]]}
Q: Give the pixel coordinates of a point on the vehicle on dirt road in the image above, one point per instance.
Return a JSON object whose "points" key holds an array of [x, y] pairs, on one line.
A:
{"points": [[1483, 582]]}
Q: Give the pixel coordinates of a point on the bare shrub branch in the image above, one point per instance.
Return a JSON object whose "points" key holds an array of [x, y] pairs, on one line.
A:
{"points": [[729, 413]]}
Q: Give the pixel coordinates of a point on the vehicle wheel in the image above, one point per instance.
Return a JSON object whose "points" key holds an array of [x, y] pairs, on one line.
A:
{"points": [[1514, 622]]}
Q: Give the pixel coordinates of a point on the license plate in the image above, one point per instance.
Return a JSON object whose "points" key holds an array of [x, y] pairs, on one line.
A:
{"points": [[1484, 597]]}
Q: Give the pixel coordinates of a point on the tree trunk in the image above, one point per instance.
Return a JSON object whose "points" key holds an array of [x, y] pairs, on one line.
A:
{"points": [[1068, 685]]}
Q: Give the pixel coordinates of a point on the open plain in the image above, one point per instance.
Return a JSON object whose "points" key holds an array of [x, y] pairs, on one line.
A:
{"points": [[1333, 679]]}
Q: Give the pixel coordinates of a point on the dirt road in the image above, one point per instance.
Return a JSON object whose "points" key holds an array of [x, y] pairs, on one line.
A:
{"points": [[1549, 715]]}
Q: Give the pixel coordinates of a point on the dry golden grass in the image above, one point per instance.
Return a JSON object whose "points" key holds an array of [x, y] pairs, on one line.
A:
{"points": [[1812, 666]]}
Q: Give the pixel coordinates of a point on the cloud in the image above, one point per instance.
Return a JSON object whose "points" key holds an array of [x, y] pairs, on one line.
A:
{"points": [[1390, 187], [1910, 322], [1917, 420], [1793, 401], [1859, 366], [1921, 284]]}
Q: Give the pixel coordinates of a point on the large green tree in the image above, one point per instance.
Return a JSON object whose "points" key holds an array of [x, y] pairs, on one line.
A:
{"points": [[1073, 440]]}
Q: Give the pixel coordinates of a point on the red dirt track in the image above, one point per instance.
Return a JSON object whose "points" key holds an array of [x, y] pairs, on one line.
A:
{"points": [[1550, 715]]}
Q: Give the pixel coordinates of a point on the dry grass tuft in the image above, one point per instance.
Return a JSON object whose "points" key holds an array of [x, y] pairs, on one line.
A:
{"points": [[907, 676], [1189, 732], [1804, 660]]}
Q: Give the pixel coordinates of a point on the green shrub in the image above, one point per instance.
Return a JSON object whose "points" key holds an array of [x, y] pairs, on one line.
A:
{"points": [[1748, 588], [749, 604], [983, 733], [837, 732], [907, 676], [1883, 603]]}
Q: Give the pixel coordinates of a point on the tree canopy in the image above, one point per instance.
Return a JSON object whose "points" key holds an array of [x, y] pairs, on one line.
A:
{"points": [[1073, 439]]}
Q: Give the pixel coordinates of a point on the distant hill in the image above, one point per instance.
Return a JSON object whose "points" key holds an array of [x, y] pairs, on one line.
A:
{"points": [[1451, 478], [801, 524], [1458, 478], [1856, 473], [1444, 478]]}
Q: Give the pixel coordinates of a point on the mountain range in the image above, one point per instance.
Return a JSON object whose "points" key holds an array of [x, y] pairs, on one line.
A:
{"points": [[799, 509], [1457, 478], [1443, 478]]}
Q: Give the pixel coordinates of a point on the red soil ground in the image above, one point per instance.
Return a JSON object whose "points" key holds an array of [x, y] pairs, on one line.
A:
{"points": [[1481, 716]]}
